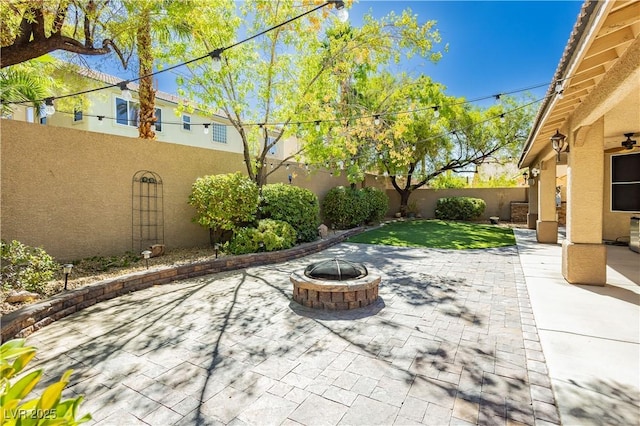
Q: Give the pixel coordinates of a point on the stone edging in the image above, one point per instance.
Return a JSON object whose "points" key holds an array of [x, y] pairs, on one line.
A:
{"points": [[26, 320]]}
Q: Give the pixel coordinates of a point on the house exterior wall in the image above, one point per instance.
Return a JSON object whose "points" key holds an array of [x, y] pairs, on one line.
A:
{"points": [[70, 191]]}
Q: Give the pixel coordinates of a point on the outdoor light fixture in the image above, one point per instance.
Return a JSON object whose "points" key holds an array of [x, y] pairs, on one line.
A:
{"points": [[216, 63], [146, 254], [436, 111], [216, 246], [558, 144], [126, 93], [206, 129], [66, 270], [525, 175], [49, 109], [341, 12], [100, 120], [559, 90], [502, 119], [317, 126], [376, 120], [629, 143]]}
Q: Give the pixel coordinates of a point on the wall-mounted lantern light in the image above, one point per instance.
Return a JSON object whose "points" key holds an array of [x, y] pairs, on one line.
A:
{"points": [[558, 144]]}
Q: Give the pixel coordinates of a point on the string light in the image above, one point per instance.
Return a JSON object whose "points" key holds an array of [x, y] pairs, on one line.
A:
{"points": [[216, 60], [100, 119], [376, 120], [341, 12], [126, 93], [317, 126], [49, 109], [436, 111], [206, 129]]}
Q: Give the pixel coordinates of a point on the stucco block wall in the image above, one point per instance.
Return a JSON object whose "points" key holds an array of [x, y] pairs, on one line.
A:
{"points": [[70, 191], [498, 199]]}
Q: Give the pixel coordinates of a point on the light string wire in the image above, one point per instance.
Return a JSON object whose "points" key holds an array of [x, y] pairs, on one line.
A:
{"points": [[332, 120], [210, 54]]}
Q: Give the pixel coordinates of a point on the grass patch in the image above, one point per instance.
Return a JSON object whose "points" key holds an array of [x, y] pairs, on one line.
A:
{"points": [[438, 234]]}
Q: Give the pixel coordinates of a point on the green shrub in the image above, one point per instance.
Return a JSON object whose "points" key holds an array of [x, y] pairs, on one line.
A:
{"points": [[224, 202], [377, 203], [297, 206], [25, 267], [343, 209], [459, 208], [270, 235], [46, 409]]}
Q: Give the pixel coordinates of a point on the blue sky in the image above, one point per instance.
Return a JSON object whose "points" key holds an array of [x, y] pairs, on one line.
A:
{"points": [[494, 46]]}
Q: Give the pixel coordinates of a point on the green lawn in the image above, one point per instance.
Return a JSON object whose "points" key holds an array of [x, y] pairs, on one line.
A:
{"points": [[438, 234]]}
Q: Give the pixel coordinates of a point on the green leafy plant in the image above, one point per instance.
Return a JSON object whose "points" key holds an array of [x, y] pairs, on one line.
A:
{"points": [[459, 208], [25, 267], [224, 202], [46, 410], [344, 208], [270, 235], [377, 203], [297, 206]]}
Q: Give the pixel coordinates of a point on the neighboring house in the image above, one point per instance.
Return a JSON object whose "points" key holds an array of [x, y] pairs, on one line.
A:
{"points": [[108, 111], [594, 109]]}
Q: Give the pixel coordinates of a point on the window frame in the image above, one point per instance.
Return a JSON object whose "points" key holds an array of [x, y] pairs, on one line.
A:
{"points": [[218, 129], [186, 122]]}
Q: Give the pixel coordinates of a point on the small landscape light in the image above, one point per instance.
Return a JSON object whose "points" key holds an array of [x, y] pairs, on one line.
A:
{"points": [[66, 270], [146, 254]]}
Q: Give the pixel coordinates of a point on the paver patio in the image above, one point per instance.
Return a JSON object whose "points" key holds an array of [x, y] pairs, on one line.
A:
{"points": [[450, 341]]}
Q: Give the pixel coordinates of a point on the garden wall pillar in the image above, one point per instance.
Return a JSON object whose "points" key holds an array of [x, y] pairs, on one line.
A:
{"points": [[547, 223]]}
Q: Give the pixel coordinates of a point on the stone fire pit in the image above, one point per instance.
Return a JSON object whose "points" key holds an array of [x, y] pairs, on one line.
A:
{"points": [[335, 284]]}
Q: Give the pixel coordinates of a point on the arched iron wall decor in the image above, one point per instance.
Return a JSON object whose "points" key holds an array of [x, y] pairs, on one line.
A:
{"points": [[147, 216]]}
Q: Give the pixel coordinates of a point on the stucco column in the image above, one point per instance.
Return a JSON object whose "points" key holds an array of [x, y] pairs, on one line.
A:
{"points": [[532, 215], [584, 257], [547, 223]]}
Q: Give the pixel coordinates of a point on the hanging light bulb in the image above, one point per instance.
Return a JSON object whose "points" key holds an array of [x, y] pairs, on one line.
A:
{"points": [[413, 148], [49, 109], [502, 118], [436, 111], [216, 59], [376, 120], [126, 93], [385, 174], [206, 129], [341, 12], [497, 97], [100, 120], [559, 90], [287, 167], [317, 126]]}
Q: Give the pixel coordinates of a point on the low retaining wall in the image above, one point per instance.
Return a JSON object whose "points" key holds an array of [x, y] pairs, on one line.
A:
{"points": [[28, 319]]}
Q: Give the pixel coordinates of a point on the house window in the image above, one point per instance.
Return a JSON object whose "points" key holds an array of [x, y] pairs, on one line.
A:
{"points": [[158, 124], [186, 122], [127, 112], [274, 149], [30, 115], [219, 133], [42, 115]]}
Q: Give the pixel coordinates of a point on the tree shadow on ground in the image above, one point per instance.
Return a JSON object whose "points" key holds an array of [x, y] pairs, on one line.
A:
{"points": [[234, 335]]}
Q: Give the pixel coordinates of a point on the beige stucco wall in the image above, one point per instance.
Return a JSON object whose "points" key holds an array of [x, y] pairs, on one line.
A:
{"points": [[70, 191], [498, 199]]}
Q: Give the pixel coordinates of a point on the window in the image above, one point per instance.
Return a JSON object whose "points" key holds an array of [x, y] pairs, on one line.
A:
{"points": [[77, 114], [625, 182], [274, 149], [219, 133], [42, 115], [158, 115], [30, 114], [186, 122], [127, 112]]}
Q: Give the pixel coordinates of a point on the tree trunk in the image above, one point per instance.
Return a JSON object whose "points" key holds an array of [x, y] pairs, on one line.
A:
{"points": [[147, 94], [404, 201]]}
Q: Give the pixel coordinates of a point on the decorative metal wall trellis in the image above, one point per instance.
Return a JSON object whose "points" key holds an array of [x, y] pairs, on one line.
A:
{"points": [[147, 210]]}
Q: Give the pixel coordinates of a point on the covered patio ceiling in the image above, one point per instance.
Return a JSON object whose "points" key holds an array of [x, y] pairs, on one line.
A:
{"points": [[599, 72]]}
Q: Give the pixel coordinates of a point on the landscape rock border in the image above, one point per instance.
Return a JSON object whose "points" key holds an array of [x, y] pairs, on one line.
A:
{"points": [[26, 320]]}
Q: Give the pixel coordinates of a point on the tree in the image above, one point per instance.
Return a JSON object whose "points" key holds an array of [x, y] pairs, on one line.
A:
{"points": [[416, 142], [22, 84], [33, 28], [291, 74]]}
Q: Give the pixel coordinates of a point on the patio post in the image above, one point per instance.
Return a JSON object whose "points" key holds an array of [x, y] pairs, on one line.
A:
{"points": [[584, 257], [547, 223], [532, 215]]}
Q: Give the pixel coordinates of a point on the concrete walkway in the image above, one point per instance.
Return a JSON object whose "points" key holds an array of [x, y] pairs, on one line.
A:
{"points": [[590, 335], [452, 340]]}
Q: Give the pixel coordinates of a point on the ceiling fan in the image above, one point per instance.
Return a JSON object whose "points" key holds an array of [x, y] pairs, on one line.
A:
{"points": [[626, 145]]}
